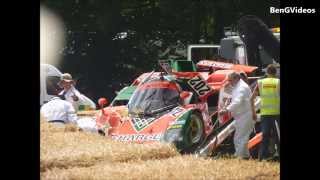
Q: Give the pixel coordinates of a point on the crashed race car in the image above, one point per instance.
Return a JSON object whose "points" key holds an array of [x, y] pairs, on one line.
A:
{"points": [[159, 110], [177, 106]]}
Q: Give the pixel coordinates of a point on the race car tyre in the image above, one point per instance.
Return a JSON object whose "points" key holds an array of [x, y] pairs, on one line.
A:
{"points": [[194, 133]]}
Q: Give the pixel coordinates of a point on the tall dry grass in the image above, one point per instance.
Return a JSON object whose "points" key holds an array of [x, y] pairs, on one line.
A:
{"points": [[66, 153], [63, 148]]}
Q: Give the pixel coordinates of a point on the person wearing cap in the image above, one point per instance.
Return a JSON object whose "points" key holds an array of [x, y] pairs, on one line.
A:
{"points": [[242, 112], [269, 90], [59, 112], [71, 94]]}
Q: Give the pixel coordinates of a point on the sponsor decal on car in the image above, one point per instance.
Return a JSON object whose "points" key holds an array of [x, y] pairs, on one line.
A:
{"points": [[215, 64], [137, 137], [179, 122], [176, 111], [175, 126], [200, 86], [141, 123]]}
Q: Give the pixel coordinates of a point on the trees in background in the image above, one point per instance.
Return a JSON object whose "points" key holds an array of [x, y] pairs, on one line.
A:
{"points": [[111, 42]]}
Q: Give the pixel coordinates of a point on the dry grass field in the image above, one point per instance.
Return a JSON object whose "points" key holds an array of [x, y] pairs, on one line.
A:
{"points": [[67, 153]]}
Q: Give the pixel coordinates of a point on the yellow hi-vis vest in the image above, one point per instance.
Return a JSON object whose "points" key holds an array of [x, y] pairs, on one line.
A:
{"points": [[270, 97]]}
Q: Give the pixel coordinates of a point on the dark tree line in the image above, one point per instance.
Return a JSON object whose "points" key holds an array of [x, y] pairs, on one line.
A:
{"points": [[110, 42]]}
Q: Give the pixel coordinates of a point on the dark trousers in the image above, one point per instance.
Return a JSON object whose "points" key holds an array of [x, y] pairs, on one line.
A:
{"points": [[269, 131]]}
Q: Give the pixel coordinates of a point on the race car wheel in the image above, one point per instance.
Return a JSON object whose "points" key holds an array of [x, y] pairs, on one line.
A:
{"points": [[194, 133]]}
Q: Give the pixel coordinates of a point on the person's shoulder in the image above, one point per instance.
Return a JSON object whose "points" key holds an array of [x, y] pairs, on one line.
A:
{"points": [[46, 106], [244, 87], [243, 84]]}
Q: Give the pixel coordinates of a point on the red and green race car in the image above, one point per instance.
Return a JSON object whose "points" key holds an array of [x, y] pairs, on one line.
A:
{"points": [[177, 106]]}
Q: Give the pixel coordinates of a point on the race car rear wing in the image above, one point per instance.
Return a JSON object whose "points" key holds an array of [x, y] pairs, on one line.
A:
{"points": [[216, 65]]}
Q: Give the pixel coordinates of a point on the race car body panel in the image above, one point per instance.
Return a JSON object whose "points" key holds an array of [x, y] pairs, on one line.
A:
{"points": [[216, 65], [120, 126], [123, 96], [144, 76]]}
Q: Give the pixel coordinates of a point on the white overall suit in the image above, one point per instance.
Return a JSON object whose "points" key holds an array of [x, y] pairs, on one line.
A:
{"points": [[59, 110], [241, 110]]}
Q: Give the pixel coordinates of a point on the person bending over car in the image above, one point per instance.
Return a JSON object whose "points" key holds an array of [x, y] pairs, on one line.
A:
{"points": [[242, 112], [59, 112]]}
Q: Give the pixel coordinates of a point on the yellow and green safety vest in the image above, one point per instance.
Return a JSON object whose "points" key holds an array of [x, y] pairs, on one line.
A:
{"points": [[270, 97]]}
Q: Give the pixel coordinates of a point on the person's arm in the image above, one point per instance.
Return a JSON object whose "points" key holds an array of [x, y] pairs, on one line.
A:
{"points": [[61, 95], [236, 101], [253, 108], [255, 93], [88, 101], [76, 95]]}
